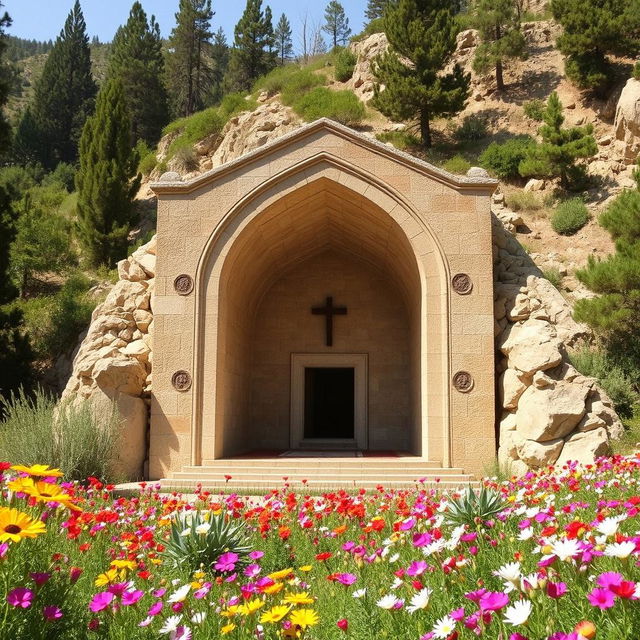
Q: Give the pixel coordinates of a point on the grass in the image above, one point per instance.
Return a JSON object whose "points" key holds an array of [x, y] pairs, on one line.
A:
{"points": [[291, 81], [553, 276], [458, 164], [402, 140], [631, 440], [523, 201], [342, 106]]}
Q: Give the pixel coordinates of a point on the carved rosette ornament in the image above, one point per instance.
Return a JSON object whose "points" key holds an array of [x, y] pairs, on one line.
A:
{"points": [[183, 284], [463, 381], [462, 284], [181, 380]]}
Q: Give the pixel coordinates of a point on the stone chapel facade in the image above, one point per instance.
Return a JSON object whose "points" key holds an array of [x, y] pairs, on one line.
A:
{"points": [[323, 291]]}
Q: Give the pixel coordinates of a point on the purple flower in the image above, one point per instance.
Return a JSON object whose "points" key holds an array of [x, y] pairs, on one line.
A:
{"points": [[493, 600], [417, 568], [457, 614], [20, 597], [252, 570], [155, 608], [421, 539], [227, 561], [346, 578], [101, 601], [4, 547], [556, 589], [475, 596], [51, 613], [119, 588], [407, 524], [601, 598], [131, 597], [40, 578], [256, 555], [158, 593], [517, 636]]}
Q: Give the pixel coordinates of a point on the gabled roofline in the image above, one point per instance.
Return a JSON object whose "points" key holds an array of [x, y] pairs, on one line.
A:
{"points": [[481, 182]]}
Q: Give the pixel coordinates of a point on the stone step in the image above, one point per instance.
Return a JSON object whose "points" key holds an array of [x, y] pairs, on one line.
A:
{"points": [[277, 478], [320, 462]]}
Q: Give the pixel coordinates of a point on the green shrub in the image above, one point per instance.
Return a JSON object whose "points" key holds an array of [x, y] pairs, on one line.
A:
{"points": [[473, 128], [503, 159], [186, 158], [399, 139], [474, 508], [590, 72], [570, 216], [301, 83], [534, 109], [194, 128], [33, 432], [148, 163], [553, 276], [636, 71], [342, 106], [523, 201], [458, 164], [345, 64], [234, 103], [63, 177]]}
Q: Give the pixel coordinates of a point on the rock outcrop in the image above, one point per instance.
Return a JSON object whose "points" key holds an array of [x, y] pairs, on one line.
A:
{"points": [[362, 80], [627, 122]]}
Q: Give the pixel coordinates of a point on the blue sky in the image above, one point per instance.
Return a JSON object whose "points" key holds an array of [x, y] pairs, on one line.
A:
{"points": [[43, 19]]}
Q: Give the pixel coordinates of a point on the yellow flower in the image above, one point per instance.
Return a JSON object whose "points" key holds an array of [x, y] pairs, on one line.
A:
{"points": [[304, 618], [299, 598], [280, 575], [275, 614], [228, 628], [47, 492], [21, 485], [250, 607], [41, 470], [274, 588], [198, 575], [230, 611], [15, 525], [107, 577], [124, 564], [306, 567]]}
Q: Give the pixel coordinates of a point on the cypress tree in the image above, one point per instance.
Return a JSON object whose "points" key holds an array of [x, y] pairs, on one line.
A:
{"points": [[424, 32], [560, 148], [137, 61], [375, 9], [251, 56], [336, 23], [498, 24], [106, 181], [188, 66], [284, 43], [65, 93]]}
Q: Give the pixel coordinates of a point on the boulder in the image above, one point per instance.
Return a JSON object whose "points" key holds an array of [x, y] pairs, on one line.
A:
{"points": [[122, 374], [627, 122], [467, 39], [552, 412], [585, 447], [362, 80], [531, 346], [540, 454], [510, 388]]}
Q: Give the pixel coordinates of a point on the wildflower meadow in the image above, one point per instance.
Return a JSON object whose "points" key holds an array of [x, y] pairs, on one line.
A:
{"points": [[554, 555]]}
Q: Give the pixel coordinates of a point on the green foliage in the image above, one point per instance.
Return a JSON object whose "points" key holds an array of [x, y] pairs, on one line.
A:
{"points": [[458, 164], [375, 9], [523, 201], [399, 139], [197, 541], [233, 103], [636, 71], [342, 106], [62, 177], [64, 97], [186, 158], [137, 61], [291, 81], [336, 23], [345, 64], [498, 24], [282, 37], [36, 431], [553, 276], [503, 159], [5, 83], [474, 508], [534, 109], [473, 128], [188, 65], [591, 30], [219, 59], [194, 128], [148, 163], [424, 32], [570, 216], [618, 385], [560, 148], [105, 180]]}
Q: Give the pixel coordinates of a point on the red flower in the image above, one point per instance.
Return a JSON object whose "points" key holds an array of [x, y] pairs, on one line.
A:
{"points": [[343, 624], [325, 555]]}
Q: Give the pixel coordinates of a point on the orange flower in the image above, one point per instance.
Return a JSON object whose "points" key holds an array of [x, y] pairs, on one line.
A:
{"points": [[586, 629], [41, 470]]}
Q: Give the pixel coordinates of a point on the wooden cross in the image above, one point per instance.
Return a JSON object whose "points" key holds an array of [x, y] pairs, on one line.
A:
{"points": [[329, 311]]}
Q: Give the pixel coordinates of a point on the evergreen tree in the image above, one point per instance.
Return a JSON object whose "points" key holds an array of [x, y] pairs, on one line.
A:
{"points": [[272, 53], [137, 61], [591, 30], [375, 9], [5, 81], [188, 66], [336, 23], [251, 56], [424, 32], [105, 181], [284, 43], [560, 148], [65, 93], [219, 65], [498, 24]]}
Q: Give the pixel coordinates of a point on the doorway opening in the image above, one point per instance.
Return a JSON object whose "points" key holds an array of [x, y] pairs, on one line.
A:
{"points": [[329, 406]]}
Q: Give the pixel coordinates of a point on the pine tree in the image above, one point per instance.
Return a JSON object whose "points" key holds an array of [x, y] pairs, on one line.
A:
{"points": [[105, 181], [424, 32], [251, 57], [336, 23], [375, 9], [5, 82], [137, 61], [560, 148], [498, 24], [219, 65], [284, 43], [591, 30], [64, 96], [188, 66]]}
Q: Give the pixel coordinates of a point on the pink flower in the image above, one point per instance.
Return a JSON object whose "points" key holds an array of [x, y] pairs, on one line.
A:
{"points": [[421, 539], [75, 573], [407, 524], [4, 547], [51, 613], [158, 593], [40, 578], [556, 589], [101, 601], [256, 555], [131, 597], [417, 568], [457, 614], [601, 598], [252, 570], [609, 579], [475, 596], [343, 624], [202, 591], [155, 608], [181, 633], [493, 601], [517, 636], [227, 561], [20, 597], [346, 578]]}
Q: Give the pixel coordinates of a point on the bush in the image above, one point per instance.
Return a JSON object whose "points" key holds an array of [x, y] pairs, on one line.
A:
{"points": [[458, 164], [234, 103], [534, 109], [194, 128], [345, 64], [553, 276], [399, 139], [590, 72], [636, 71], [342, 106], [33, 432], [523, 201], [503, 159], [290, 80], [472, 128], [186, 158], [148, 163], [63, 176], [570, 216]]}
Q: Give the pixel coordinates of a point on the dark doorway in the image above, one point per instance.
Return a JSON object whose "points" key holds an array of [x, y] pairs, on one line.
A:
{"points": [[328, 402]]}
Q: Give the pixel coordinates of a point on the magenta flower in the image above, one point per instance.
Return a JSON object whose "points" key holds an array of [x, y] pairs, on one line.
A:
{"points": [[131, 597], [556, 589], [601, 598], [421, 539], [40, 578], [4, 547], [101, 601], [493, 601], [256, 555], [158, 593], [475, 596], [346, 578], [119, 588], [417, 568], [517, 636], [202, 591], [227, 561], [457, 614], [20, 597], [407, 524], [609, 579], [252, 570], [155, 608], [52, 613]]}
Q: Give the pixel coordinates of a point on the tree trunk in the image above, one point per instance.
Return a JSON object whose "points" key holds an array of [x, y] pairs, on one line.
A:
{"points": [[499, 79], [425, 129]]}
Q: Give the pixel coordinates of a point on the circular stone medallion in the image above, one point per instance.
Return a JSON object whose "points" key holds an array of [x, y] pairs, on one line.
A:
{"points": [[462, 284], [181, 380], [183, 284], [463, 381]]}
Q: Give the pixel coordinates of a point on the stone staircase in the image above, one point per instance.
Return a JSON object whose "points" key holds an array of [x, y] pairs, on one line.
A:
{"points": [[324, 472]]}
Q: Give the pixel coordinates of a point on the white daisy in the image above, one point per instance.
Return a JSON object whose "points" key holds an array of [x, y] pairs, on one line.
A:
{"points": [[526, 534], [394, 558], [397, 583], [435, 547], [170, 624], [388, 602], [509, 572], [181, 633], [203, 528], [420, 600], [359, 593], [609, 526], [198, 618], [565, 549], [444, 627], [518, 613], [180, 594], [620, 549]]}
